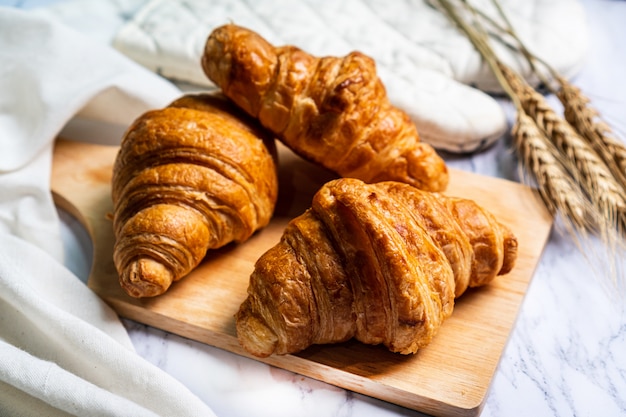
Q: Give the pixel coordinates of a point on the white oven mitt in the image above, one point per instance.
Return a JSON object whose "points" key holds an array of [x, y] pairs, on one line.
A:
{"points": [[63, 350], [426, 64]]}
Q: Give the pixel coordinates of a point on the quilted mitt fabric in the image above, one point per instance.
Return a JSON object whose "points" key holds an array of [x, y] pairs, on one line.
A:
{"points": [[430, 70]]}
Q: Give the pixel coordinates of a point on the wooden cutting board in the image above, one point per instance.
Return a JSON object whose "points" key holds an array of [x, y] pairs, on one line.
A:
{"points": [[449, 377]]}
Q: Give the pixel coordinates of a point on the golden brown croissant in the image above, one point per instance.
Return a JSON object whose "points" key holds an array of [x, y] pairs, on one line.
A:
{"points": [[377, 262], [193, 176], [329, 110]]}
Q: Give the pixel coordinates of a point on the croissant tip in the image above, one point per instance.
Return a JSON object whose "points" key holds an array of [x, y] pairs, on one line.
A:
{"points": [[146, 277], [254, 335], [510, 254]]}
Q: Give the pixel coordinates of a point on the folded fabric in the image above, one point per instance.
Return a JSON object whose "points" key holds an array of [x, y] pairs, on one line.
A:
{"points": [[64, 351]]}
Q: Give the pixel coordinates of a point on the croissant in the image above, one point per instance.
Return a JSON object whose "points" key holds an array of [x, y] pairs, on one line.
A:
{"points": [[382, 263], [331, 111], [193, 176]]}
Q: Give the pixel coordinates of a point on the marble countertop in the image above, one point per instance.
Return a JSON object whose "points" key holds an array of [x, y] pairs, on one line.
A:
{"points": [[566, 354]]}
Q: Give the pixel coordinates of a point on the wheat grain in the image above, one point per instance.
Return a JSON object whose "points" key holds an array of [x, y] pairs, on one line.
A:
{"points": [[597, 178], [572, 179], [586, 166], [586, 120], [557, 189], [580, 160]]}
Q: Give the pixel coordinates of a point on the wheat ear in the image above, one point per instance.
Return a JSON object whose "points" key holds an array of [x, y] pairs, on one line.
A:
{"points": [[587, 167], [586, 120], [577, 106], [557, 189], [547, 159]]}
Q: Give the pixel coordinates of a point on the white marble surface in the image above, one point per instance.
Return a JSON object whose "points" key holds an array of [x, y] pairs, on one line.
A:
{"points": [[566, 355]]}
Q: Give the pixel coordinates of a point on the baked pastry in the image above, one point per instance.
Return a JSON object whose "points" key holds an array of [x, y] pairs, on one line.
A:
{"points": [[332, 111], [193, 176], [381, 263]]}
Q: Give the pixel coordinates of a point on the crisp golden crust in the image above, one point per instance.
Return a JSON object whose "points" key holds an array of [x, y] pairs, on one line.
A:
{"points": [[443, 229], [311, 294], [332, 111], [188, 178], [406, 288], [377, 262]]}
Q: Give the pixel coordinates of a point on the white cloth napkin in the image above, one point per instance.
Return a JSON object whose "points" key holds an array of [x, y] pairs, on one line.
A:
{"points": [[63, 351]]}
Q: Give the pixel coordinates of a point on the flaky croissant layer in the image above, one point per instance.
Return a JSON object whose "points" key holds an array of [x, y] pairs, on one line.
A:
{"points": [[191, 177], [332, 111], [381, 263]]}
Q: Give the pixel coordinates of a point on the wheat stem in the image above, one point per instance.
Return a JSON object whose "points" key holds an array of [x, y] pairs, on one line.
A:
{"points": [[575, 171], [585, 122], [560, 193], [481, 43], [577, 106]]}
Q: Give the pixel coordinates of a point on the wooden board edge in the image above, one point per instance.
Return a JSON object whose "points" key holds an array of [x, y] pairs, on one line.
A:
{"points": [[303, 366]]}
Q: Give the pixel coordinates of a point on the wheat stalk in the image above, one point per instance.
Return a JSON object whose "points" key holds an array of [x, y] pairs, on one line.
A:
{"points": [[606, 158], [586, 120], [587, 167], [577, 106], [599, 136], [557, 189], [572, 178], [559, 192]]}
